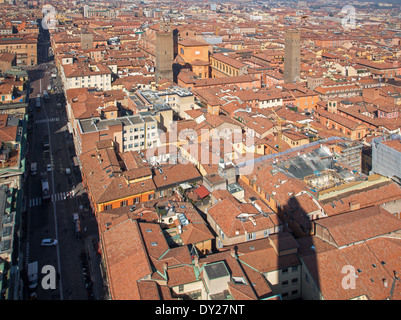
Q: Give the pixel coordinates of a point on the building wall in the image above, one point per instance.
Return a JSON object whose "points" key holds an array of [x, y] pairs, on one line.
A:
{"points": [[222, 69], [26, 51], [131, 200], [306, 103], [308, 286], [101, 81], [286, 282], [189, 54], [189, 288], [354, 134]]}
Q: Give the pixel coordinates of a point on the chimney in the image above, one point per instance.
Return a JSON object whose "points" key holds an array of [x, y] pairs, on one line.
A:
{"points": [[196, 261], [385, 282], [353, 205], [232, 253]]}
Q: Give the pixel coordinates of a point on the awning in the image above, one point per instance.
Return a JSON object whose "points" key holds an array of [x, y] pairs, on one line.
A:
{"points": [[202, 192], [185, 185]]}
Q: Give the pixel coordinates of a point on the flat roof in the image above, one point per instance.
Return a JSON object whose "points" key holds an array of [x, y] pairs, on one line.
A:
{"points": [[97, 124], [216, 270]]}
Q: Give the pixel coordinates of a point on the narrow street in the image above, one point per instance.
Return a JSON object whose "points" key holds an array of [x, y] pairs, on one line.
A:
{"points": [[74, 258]]}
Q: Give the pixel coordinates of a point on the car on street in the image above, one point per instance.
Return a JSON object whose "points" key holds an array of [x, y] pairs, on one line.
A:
{"points": [[48, 242], [49, 167]]}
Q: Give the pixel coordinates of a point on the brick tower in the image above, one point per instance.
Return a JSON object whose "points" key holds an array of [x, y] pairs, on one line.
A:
{"points": [[164, 51], [292, 56]]}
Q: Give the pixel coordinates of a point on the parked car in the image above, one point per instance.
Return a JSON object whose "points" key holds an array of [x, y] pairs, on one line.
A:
{"points": [[48, 242], [49, 167]]}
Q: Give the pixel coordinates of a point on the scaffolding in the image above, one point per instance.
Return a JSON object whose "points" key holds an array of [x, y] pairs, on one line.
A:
{"points": [[386, 160]]}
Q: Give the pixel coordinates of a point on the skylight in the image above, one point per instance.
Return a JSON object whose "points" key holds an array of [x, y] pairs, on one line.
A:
{"points": [[239, 280]]}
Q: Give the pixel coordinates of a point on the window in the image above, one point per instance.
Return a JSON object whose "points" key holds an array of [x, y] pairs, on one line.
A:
{"points": [[250, 236], [108, 207], [284, 283], [284, 271], [294, 281], [124, 203]]}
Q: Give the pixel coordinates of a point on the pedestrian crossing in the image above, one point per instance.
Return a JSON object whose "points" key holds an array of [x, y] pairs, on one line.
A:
{"points": [[34, 202], [55, 119], [59, 196]]}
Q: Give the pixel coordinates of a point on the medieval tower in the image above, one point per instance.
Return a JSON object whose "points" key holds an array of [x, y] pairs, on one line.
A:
{"points": [[292, 56], [164, 51]]}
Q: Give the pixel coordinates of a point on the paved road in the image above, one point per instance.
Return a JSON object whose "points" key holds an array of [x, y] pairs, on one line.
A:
{"points": [[53, 218]]}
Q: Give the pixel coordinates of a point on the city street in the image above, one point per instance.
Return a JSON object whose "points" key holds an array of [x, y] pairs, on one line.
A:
{"points": [[74, 259]]}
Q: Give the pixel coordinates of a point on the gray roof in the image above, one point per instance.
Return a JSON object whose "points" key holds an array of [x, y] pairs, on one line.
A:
{"points": [[216, 270], [97, 124]]}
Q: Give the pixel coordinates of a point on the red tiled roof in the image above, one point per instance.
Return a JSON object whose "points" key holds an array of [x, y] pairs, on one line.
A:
{"points": [[202, 192]]}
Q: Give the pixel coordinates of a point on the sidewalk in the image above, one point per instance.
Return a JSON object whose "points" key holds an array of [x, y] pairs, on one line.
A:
{"points": [[94, 266]]}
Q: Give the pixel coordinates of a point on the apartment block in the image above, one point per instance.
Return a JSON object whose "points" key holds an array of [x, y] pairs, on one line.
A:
{"points": [[25, 47], [86, 75], [131, 133]]}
